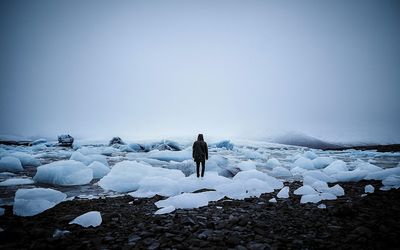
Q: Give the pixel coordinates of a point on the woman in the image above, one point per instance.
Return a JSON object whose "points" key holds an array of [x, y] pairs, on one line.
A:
{"points": [[200, 154]]}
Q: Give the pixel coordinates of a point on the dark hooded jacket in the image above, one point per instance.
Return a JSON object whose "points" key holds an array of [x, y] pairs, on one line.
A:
{"points": [[200, 149]]}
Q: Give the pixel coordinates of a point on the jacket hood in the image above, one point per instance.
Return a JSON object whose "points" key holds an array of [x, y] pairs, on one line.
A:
{"points": [[200, 137]]}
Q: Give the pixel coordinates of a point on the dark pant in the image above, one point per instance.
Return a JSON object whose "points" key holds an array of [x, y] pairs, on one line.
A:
{"points": [[203, 164]]}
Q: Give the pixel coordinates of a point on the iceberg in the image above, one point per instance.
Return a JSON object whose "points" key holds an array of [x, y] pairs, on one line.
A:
{"points": [[272, 163], [10, 164], [226, 144], [321, 162], [335, 167], [29, 202], [255, 174], [369, 189], [310, 155], [168, 155], [190, 200], [26, 159], [126, 175], [16, 181], [383, 174], [165, 210], [304, 163], [246, 165], [284, 193], [281, 172], [99, 169], [310, 198], [240, 189], [305, 190], [346, 176], [89, 219], [64, 173]]}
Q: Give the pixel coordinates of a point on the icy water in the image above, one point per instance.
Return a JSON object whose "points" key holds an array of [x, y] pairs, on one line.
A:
{"points": [[225, 161]]}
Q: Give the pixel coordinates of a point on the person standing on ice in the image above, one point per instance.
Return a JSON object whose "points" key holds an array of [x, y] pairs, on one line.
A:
{"points": [[200, 154]]}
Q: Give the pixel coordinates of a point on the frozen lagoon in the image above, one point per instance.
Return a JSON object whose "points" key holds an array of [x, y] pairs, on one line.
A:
{"points": [[283, 162]]}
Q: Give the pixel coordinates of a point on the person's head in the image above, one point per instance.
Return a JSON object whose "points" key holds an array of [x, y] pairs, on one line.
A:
{"points": [[200, 137]]}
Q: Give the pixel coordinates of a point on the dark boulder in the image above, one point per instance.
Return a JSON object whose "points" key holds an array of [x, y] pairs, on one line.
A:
{"points": [[65, 140], [116, 140]]}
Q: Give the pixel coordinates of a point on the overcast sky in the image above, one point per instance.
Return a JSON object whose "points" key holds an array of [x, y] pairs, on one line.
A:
{"points": [[138, 69]]}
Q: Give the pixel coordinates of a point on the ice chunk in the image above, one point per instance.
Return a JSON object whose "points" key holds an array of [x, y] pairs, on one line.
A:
{"points": [[29, 202], [272, 163], [190, 200], [60, 233], [273, 200], [64, 173], [284, 193], [319, 175], [26, 159], [250, 153], [78, 156], [170, 155], [99, 169], [126, 175], [153, 185], [2, 210], [335, 167], [310, 198], [320, 185], [246, 165], [346, 176], [210, 181], [336, 190], [224, 144], [308, 180], [126, 148], [39, 141], [310, 155], [17, 181], [321, 162], [366, 166], [383, 174], [392, 181], [280, 172], [369, 189], [305, 190], [297, 171], [219, 164], [10, 164], [304, 163], [89, 219], [165, 210], [250, 174], [322, 206], [240, 189], [328, 196], [98, 157]]}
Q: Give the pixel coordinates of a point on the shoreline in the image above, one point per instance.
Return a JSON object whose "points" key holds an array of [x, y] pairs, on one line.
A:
{"points": [[351, 221]]}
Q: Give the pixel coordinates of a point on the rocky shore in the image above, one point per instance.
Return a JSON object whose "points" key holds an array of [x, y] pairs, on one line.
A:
{"points": [[350, 222]]}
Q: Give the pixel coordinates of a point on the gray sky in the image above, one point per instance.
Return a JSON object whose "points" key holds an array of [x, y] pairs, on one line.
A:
{"points": [[225, 68]]}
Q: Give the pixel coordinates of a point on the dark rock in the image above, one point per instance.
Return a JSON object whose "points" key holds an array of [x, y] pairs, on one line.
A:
{"points": [[154, 245], [133, 239], [65, 140], [187, 221], [116, 140]]}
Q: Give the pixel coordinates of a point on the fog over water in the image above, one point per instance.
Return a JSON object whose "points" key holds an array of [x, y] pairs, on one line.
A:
{"points": [[140, 69]]}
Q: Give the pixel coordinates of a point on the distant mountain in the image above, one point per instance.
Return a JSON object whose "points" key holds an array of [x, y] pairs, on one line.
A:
{"points": [[303, 140]]}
